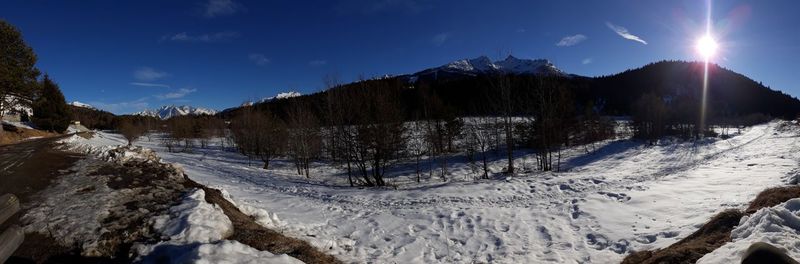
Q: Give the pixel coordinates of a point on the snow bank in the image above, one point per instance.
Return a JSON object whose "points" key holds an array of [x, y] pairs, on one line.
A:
{"points": [[194, 220], [196, 230], [778, 226], [223, 252], [262, 217], [106, 148]]}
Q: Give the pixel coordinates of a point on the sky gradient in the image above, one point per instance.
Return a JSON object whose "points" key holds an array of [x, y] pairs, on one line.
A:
{"points": [[128, 56]]}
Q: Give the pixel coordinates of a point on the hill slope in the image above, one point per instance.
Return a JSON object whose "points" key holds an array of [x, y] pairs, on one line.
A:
{"points": [[473, 89]]}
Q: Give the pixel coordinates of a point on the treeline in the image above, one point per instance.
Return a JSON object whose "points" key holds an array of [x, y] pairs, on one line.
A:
{"points": [[93, 118], [22, 88], [730, 95], [369, 127]]}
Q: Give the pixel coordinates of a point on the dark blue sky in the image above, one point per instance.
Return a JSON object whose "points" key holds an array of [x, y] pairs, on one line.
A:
{"points": [[124, 56]]}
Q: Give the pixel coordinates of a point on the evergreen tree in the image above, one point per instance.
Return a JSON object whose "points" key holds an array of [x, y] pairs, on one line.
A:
{"points": [[50, 110], [17, 68]]}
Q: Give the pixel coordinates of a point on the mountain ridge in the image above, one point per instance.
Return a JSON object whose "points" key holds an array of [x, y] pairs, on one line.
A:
{"points": [[483, 65], [169, 111]]}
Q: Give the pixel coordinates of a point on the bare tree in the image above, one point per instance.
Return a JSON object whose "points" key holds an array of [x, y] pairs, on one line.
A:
{"points": [[551, 112], [259, 134], [305, 142], [649, 117], [480, 136], [503, 102], [370, 129], [131, 130], [416, 144]]}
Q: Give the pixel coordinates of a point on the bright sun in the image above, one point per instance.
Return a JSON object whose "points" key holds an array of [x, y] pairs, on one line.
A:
{"points": [[706, 46]]}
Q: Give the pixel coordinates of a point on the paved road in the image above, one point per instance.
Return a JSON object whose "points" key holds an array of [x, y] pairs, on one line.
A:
{"points": [[30, 166], [25, 169]]}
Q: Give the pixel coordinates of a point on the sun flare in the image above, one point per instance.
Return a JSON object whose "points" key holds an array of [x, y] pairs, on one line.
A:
{"points": [[706, 46]]}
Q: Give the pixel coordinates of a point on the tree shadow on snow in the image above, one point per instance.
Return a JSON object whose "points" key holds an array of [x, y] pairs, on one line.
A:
{"points": [[604, 152]]}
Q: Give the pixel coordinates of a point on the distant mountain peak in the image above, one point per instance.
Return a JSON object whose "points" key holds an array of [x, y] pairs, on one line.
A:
{"points": [[169, 111], [279, 96], [84, 105], [284, 95], [483, 65]]}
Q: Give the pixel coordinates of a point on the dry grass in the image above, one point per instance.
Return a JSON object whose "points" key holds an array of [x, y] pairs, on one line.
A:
{"points": [[11, 134], [772, 197], [248, 232], [714, 233]]}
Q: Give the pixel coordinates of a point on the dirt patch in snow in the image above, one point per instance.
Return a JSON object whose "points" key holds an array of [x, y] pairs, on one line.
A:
{"points": [[248, 232], [96, 211], [715, 233], [772, 197], [712, 235], [12, 134]]}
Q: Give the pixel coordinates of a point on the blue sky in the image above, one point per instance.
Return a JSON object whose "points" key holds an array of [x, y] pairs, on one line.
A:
{"points": [[124, 56]]}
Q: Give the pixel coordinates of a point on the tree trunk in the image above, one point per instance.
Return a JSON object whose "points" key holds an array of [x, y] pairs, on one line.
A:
{"points": [[485, 167], [509, 146]]}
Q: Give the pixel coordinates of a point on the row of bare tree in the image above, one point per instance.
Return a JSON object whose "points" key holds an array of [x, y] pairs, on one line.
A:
{"points": [[366, 130]]}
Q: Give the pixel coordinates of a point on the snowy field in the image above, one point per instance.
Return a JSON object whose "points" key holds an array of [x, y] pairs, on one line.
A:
{"points": [[622, 197]]}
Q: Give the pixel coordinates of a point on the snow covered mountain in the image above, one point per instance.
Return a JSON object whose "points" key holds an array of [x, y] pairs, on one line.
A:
{"points": [[283, 96], [79, 104], [168, 111], [279, 96], [483, 65]]}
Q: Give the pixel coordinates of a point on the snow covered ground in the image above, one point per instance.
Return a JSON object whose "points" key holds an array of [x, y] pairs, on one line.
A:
{"points": [[194, 231], [624, 196]]}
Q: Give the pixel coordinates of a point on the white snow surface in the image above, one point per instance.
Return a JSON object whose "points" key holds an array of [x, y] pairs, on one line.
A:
{"points": [[623, 196], [194, 220], [196, 231], [778, 226]]}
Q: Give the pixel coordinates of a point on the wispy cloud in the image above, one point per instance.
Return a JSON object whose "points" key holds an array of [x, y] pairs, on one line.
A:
{"points": [[215, 8], [149, 84], [587, 61], [346, 7], [177, 94], [317, 62], [205, 37], [258, 59], [440, 39], [147, 74], [623, 32], [571, 40]]}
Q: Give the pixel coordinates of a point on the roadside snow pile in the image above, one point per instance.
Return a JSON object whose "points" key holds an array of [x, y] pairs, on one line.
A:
{"points": [[107, 149], [262, 217], [196, 229], [194, 220], [778, 226]]}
